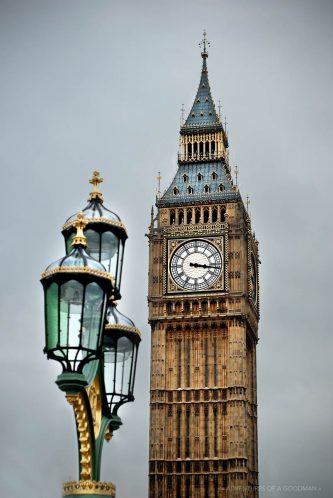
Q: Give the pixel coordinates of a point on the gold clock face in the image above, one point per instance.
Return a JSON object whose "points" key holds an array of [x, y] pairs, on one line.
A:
{"points": [[196, 265]]}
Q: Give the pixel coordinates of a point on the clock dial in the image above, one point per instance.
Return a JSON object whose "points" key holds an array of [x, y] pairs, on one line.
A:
{"points": [[196, 265]]}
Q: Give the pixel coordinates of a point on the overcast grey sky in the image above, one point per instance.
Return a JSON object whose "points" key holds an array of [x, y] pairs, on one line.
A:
{"points": [[99, 84]]}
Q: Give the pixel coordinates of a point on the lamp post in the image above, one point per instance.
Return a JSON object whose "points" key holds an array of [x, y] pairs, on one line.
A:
{"points": [[96, 345]]}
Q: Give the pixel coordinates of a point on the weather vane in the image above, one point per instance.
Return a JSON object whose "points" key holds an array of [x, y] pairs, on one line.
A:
{"points": [[204, 43]]}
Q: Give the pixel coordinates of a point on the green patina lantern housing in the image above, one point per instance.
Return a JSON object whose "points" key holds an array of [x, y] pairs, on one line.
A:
{"points": [[121, 341], [106, 234], [76, 289]]}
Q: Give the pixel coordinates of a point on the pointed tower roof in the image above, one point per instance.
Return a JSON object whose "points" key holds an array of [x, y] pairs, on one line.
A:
{"points": [[203, 112]]}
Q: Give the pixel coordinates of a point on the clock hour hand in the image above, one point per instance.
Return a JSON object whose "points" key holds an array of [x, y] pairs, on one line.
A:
{"points": [[198, 265]]}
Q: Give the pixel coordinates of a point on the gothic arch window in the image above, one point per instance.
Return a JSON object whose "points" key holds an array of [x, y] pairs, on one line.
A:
{"points": [[180, 217], [195, 307], [201, 149], [172, 217], [178, 307], [187, 307], [206, 189], [189, 215], [189, 150], [214, 215], [169, 308], [207, 149], [185, 178], [221, 187], [206, 215], [175, 191], [200, 177], [222, 214], [204, 306], [195, 149], [197, 215], [189, 190], [214, 175], [213, 306], [212, 147]]}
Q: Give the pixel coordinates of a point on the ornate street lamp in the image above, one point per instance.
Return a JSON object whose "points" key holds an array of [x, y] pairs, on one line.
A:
{"points": [[76, 288], [106, 234], [96, 345], [121, 341]]}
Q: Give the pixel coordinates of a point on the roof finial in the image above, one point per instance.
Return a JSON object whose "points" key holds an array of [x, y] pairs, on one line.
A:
{"points": [[247, 204], [204, 44], [80, 224], [236, 175], [95, 181], [219, 107], [159, 178], [182, 111]]}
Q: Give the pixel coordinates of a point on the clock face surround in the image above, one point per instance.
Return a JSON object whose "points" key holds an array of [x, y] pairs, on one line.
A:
{"points": [[196, 265]]}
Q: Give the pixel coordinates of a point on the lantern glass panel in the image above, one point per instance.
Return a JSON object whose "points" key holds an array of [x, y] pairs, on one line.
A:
{"points": [[123, 365], [92, 315], [71, 297], [109, 252], [93, 243], [51, 308], [69, 241]]}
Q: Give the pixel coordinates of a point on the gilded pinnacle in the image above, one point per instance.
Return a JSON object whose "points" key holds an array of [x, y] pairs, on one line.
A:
{"points": [[95, 181], [80, 224]]}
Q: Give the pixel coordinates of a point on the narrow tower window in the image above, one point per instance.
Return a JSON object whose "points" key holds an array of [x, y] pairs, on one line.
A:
{"points": [[221, 187], [207, 149], [189, 190], [215, 361], [195, 149], [206, 189], [215, 431], [201, 149], [206, 433], [185, 178], [187, 448], [179, 417], [200, 177], [197, 215], [212, 147], [214, 215], [179, 369], [223, 214], [188, 362], [180, 217], [172, 217], [175, 191], [189, 150], [214, 175], [206, 363], [206, 215], [189, 214]]}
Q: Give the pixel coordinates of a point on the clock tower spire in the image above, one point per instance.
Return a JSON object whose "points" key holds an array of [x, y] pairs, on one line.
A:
{"points": [[204, 312]]}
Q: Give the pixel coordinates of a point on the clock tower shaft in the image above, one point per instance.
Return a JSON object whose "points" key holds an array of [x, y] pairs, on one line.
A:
{"points": [[203, 312]]}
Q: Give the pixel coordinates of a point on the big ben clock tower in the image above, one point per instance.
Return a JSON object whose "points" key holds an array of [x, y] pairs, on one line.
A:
{"points": [[204, 312]]}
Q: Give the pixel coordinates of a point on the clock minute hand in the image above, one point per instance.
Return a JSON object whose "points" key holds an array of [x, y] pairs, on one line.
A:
{"points": [[198, 265]]}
